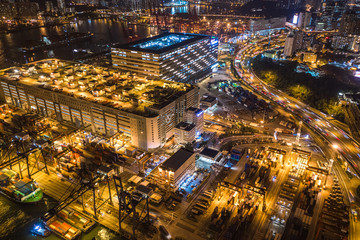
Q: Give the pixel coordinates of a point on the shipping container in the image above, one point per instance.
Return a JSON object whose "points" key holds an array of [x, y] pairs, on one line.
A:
{"points": [[202, 206]]}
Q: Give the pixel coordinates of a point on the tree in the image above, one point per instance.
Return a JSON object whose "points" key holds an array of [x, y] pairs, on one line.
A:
{"points": [[300, 92], [270, 77]]}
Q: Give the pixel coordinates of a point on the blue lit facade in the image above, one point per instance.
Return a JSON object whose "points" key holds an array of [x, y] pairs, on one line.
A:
{"points": [[163, 42], [171, 56]]}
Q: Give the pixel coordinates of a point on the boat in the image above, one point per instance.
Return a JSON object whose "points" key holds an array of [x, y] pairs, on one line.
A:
{"points": [[23, 190], [76, 219], [40, 230], [62, 228], [54, 41]]}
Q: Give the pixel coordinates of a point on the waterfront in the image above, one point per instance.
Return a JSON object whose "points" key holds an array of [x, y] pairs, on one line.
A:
{"points": [[16, 220], [105, 32]]}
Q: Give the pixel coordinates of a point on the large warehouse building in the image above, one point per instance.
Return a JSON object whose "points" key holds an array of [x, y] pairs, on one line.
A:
{"points": [[146, 110], [179, 57]]}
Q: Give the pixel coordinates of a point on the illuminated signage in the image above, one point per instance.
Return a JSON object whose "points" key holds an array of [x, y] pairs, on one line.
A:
{"points": [[295, 19]]}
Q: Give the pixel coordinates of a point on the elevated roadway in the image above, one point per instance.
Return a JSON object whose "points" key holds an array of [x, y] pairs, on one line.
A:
{"points": [[332, 139]]}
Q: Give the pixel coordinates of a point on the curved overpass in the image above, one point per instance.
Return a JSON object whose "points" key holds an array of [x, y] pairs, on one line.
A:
{"points": [[331, 139], [336, 137]]}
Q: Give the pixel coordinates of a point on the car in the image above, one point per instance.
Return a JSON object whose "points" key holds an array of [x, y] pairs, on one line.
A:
{"points": [[171, 206], [164, 233]]}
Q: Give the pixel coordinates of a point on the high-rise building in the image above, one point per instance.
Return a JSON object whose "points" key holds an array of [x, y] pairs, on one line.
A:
{"points": [[331, 12], [350, 24], [313, 5], [179, 57], [344, 42], [293, 42], [19, 10], [266, 26], [184, 133], [288, 4], [49, 6], [302, 19], [191, 127], [289, 45], [145, 110], [133, 5], [61, 5], [195, 116]]}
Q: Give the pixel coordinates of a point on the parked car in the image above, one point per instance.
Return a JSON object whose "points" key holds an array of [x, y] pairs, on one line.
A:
{"points": [[164, 233]]}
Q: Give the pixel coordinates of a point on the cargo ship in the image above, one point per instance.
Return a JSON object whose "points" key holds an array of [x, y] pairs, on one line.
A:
{"points": [[76, 219], [20, 190], [62, 228]]}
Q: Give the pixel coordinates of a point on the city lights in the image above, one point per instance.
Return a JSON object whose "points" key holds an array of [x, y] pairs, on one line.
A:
{"points": [[150, 119]]}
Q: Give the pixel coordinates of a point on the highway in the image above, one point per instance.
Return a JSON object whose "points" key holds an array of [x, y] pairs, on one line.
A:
{"points": [[336, 137], [334, 141]]}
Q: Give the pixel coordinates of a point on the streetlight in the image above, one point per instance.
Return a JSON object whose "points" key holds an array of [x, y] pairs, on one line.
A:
{"points": [[335, 146]]}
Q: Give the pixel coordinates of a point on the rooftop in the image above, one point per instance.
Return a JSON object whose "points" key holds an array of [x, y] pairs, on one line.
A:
{"points": [[185, 126], [106, 86], [162, 43], [208, 98], [143, 189], [196, 111], [208, 152], [177, 160]]}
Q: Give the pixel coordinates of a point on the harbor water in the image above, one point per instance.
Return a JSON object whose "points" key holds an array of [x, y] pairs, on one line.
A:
{"points": [[17, 219], [105, 32]]}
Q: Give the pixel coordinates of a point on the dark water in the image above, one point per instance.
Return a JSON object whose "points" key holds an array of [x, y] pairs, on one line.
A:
{"points": [[15, 217], [16, 220], [105, 31]]}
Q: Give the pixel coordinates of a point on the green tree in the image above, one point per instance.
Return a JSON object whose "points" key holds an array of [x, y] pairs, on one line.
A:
{"points": [[270, 77], [300, 92]]}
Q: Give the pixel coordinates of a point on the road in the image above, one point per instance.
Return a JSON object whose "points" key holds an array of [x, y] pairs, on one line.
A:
{"points": [[336, 137], [334, 140]]}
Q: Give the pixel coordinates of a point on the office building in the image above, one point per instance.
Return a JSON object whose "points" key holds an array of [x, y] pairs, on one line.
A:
{"points": [[289, 4], [289, 45], [178, 57], [19, 10], [145, 110], [293, 42], [331, 12], [350, 24], [61, 5], [135, 5], [266, 26], [184, 133], [302, 19], [195, 116], [208, 101], [343, 42], [211, 155], [49, 7], [309, 57], [171, 172]]}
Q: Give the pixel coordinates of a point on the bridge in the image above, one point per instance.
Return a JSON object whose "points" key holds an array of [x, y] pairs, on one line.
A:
{"points": [[233, 3], [229, 16]]}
